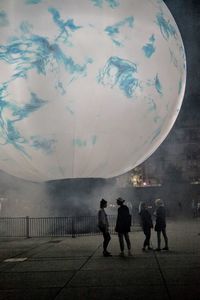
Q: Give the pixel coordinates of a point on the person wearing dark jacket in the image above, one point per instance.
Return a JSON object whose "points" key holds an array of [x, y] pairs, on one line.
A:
{"points": [[147, 225], [161, 224], [123, 225]]}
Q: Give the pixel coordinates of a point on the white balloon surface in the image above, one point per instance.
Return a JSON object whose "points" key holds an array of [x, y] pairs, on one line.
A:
{"points": [[88, 88]]}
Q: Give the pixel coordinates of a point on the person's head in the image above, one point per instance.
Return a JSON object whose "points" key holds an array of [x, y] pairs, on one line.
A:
{"points": [[143, 205], [120, 201], [159, 202], [103, 203]]}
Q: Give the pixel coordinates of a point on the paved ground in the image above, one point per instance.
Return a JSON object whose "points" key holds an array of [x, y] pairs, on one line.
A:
{"points": [[73, 268]]}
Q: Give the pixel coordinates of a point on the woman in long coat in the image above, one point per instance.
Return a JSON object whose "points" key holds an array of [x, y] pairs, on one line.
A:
{"points": [[123, 225]]}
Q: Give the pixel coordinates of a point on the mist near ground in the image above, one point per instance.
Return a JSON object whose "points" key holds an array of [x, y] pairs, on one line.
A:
{"points": [[81, 197], [22, 198], [70, 197]]}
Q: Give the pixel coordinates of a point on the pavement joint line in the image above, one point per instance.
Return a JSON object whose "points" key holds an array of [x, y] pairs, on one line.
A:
{"points": [[76, 271], [55, 258], [162, 275], [46, 243], [21, 253]]}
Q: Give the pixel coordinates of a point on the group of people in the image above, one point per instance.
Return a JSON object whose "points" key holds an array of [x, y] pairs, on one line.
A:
{"points": [[123, 225]]}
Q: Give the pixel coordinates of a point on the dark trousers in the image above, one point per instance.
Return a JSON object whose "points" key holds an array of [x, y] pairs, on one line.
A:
{"points": [[121, 236], [107, 238], [164, 235], [147, 232]]}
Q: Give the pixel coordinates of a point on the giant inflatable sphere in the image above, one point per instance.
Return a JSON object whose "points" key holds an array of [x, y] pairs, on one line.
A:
{"points": [[88, 88]]}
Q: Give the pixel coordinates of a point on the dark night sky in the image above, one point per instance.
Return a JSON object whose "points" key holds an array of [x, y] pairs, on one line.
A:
{"points": [[187, 17]]}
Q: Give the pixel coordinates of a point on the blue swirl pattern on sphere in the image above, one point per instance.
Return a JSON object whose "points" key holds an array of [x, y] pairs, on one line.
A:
{"points": [[88, 88], [123, 75]]}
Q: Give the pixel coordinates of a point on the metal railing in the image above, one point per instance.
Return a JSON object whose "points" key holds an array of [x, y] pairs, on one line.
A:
{"points": [[52, 226]]}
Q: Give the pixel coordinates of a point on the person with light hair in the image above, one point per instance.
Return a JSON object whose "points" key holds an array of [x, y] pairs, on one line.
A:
{"points": [[159, 202], [160, 225]]}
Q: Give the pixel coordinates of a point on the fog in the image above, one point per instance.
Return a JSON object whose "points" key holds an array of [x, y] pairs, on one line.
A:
{"points": [[70, 197], [22, 198]]}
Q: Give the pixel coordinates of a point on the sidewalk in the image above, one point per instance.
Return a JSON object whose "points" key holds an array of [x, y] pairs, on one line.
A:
{"points": [[74, 268]]}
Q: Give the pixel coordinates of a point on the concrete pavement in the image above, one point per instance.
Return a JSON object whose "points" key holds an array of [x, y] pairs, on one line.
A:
{"points": [[74, 268]]}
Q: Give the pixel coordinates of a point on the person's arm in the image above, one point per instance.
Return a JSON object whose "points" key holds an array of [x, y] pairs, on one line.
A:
{"points": [[150, 220], [117, 222]]}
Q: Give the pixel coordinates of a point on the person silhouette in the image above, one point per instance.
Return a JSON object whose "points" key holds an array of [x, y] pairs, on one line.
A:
{"points": [[147, 225], [104, 226], [123, 225], [160, 225]]}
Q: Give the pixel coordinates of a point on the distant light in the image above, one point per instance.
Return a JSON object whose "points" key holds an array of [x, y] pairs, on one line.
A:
{"points": [[195, 182]]}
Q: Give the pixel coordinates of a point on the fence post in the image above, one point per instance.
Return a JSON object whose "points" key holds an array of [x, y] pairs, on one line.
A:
{"points": [[27, 227], [73, 227]]}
